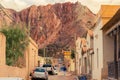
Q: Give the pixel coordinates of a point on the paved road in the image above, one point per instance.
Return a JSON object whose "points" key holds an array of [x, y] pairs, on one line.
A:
{"points": [[61, 76]]}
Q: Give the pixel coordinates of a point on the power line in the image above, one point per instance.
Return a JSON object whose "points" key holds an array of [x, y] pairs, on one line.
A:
{"points": [[5, 12]]}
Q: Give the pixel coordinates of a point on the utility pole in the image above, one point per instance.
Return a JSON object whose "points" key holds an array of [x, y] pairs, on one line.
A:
{"points": [[5, 12], [44, 56], [44, 50], [75, 53]]}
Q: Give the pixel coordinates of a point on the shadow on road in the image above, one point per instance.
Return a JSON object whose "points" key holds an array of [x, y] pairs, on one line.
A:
{"points": [[37, 79]]}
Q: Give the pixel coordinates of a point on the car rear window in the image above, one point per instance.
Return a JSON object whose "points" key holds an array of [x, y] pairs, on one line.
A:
{"points": [[39, 70], [46, 65]]}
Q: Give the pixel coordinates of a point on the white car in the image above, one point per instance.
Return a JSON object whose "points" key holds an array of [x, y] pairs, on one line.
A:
{"points": [[39, 73], [55, 71], [48, 67], [11, 78]]}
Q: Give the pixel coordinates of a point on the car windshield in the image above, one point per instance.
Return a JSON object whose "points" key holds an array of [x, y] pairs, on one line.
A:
{"points": [[47, 65], [39, 70]]}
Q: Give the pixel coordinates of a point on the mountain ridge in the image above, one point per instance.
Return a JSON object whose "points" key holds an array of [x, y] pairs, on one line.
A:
{"points": [[53, 24]]}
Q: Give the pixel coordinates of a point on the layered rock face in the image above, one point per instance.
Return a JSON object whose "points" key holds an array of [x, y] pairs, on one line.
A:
{"points": [[58, 23]]}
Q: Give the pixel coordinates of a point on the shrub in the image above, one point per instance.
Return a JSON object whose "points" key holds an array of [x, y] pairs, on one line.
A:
{"points": [[16, 43]]}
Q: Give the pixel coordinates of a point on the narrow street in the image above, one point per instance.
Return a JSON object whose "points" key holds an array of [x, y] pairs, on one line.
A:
{"points": [[61, 76]]}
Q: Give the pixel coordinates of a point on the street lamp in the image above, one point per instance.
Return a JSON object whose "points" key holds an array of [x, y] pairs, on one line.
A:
{"points": [[41, 29]]}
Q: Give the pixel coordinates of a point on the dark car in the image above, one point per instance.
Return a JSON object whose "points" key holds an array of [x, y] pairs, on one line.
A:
{"points": [[82, 77], [62, 69]]}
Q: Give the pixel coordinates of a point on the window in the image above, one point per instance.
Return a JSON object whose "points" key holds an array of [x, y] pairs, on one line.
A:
{"points": [[39, 70], [85, 60]]}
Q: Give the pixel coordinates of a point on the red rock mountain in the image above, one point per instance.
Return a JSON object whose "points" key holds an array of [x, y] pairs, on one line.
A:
{"points": [[57, 23]]}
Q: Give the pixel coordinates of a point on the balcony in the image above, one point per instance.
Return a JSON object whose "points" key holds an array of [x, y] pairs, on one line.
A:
{"points": [[112, 70]]}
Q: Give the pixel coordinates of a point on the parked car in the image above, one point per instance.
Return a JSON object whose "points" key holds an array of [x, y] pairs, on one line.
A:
{"points": [[39, 73], [49, 68], [55, 71], [80, 77], [11, 78], [62, 68]]}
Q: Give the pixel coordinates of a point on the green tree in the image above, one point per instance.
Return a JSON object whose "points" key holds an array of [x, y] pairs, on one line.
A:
{"points": [[16, 43]]}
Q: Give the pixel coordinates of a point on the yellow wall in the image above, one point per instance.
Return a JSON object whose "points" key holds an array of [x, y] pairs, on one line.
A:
{"points": [[72, 65], [67, 54]]}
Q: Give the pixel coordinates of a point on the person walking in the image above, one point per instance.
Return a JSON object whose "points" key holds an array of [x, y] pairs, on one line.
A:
{"points": [[64, 69]]}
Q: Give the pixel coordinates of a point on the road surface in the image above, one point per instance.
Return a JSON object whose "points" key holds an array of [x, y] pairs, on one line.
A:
{"points": [[61, 76]]}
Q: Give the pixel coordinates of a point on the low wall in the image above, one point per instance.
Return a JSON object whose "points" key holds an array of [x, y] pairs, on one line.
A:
{"points": [[9, 71], [30, 60]]}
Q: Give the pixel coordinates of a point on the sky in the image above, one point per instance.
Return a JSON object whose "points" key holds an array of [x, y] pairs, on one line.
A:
{"points": [[93, 5]]}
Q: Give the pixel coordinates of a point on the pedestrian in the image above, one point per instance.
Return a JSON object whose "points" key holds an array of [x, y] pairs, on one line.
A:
{"points": [[64, 69]]}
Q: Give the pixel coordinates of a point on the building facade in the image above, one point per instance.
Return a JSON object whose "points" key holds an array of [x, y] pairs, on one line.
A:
{"points": [[93, 55], [78, 56], [111, 31], [100, 70]]}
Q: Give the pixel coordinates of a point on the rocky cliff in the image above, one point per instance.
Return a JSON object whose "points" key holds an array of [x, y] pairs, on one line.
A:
{"points": [[58, 23]]}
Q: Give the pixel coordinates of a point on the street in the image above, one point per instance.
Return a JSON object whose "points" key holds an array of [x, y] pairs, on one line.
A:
{"points": [[61, 76]]}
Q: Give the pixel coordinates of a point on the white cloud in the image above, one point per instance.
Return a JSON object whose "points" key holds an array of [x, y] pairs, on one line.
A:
{"points": [[93, 5], [14, 4]]}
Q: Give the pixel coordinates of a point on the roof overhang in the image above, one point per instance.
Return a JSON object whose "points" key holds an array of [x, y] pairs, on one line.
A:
{"points": [[114, 20]]}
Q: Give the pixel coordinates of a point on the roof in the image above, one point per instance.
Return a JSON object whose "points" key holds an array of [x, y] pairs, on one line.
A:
{"points": [[107, 12], [112, 21]]}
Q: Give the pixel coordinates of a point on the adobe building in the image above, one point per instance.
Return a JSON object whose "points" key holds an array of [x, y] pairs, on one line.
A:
{"points": [[30, 60]]}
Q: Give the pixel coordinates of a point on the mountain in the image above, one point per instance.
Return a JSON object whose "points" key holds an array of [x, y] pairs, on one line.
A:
{"points": [[52, 24]]}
